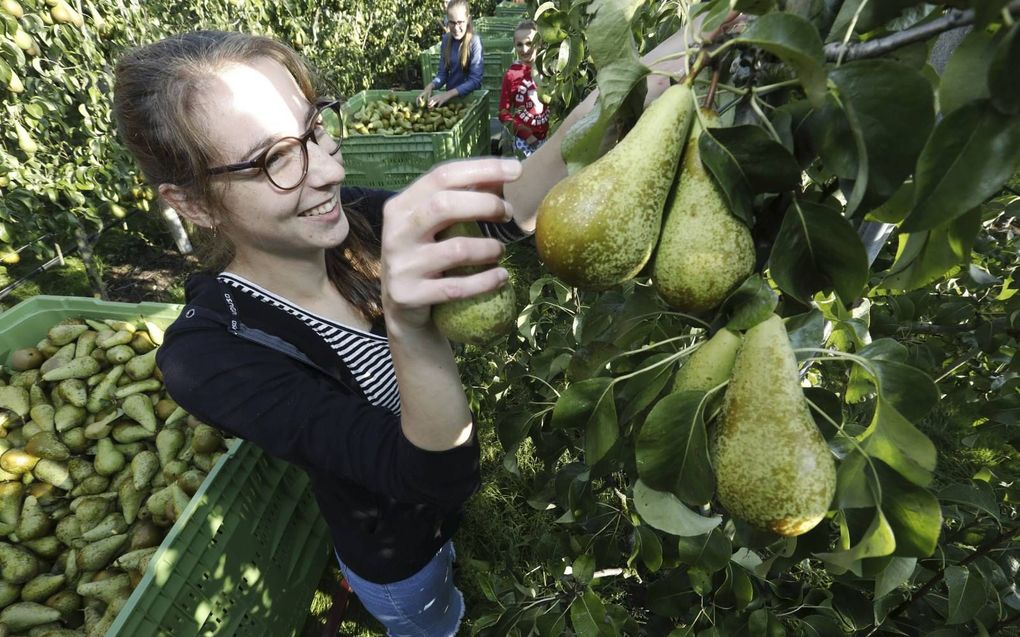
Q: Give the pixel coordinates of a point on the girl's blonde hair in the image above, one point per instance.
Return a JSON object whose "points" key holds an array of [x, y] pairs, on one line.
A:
{"points": [[155, 106], [465, 44]]}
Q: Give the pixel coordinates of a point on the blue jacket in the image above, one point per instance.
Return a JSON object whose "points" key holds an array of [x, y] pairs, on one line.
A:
{"points": [[455, 77]]}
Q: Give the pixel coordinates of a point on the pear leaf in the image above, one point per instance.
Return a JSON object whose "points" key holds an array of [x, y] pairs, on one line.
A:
{"points": [[969, 156], [728, 175], [750, 304], [914, 514], [1002, 82], [579, 401], [710, 552], [816, 249], [649, 547], [641, 390], [672, 448], [588, 615], [966, 593], [894, 440], [665, 512], [766, 165], [965, 77], [895, 574], [976, 495], [927, 255], [877, 541], [853, 483], [795, 41], [614, 53]]}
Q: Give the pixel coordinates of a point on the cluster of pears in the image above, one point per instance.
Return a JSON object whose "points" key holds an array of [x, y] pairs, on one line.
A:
{"points": [[96, 465], [772, 466], [601, 225], [392, 116]]}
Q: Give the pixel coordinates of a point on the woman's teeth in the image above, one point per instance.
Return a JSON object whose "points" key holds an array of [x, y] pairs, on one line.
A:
{"points": [[320, 210]]}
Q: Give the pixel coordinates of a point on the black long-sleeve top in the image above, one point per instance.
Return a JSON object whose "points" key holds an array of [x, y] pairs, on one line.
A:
{"points": [[265, 375]]}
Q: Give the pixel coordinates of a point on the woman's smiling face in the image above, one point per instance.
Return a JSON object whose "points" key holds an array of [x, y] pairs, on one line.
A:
{"points": [[246, 108]]}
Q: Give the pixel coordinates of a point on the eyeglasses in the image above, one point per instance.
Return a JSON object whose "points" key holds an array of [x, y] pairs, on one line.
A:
{"points": [[285, 162]]}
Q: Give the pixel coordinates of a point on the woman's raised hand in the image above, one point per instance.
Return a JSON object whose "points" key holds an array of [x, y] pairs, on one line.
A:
{"points": [[413, 262]]}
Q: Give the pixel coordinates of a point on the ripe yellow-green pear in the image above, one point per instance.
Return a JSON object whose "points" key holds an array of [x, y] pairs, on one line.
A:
{"points": [[710, 365], [772, 466], [478, 319], [598, 227], [704, 252]]}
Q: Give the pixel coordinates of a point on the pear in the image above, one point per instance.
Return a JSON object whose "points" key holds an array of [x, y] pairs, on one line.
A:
{"points": [[772, 466], [704, 252], [710, 365], [478, 319], [599, 226]]}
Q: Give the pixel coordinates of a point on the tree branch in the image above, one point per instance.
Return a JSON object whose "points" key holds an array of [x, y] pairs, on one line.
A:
{"points": [[952, 19], [1004, 537]]}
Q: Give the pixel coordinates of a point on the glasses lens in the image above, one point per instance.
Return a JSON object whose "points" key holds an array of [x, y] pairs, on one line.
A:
{"points": [[329, 130], [286, 163]]}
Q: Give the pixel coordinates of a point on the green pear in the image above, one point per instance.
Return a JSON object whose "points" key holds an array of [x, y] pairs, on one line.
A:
{"points": [[705, 252], [478, 319], [772, 465], [599, 226], [709, 366]]}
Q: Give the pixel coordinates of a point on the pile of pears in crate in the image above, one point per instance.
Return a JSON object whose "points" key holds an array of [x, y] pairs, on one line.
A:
{"points": [[96, 464], [393, 116]]}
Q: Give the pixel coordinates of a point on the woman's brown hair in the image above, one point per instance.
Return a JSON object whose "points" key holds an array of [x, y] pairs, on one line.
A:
{"points": [[465, 44], [155, 103]]}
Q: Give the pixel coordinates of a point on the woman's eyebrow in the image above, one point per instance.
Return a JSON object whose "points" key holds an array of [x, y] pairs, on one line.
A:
{"points": [[266, 141]]}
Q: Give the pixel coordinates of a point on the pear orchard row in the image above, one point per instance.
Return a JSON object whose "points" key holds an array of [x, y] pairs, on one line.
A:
{"points": [[391, 116], [96, 464]]}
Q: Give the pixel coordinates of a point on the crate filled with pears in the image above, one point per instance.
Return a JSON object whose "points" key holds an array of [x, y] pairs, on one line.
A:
{"points": [[390, 139], [111, 493]]}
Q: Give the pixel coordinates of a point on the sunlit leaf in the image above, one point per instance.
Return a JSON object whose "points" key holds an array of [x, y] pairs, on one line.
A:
{"points": [[969, 156], [877, 541], [913, 513], [927, 255], [894, 440], [665, 512], [672, 448]]}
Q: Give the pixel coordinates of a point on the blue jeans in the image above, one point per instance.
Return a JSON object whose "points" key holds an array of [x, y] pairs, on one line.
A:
{"points": [[427, 604]]}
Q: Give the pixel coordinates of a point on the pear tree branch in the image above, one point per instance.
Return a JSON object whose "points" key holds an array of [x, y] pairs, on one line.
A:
{"points": [[954, 18]]}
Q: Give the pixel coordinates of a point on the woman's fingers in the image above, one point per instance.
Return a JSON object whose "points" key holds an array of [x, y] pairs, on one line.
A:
{"points": [[435, 291]]}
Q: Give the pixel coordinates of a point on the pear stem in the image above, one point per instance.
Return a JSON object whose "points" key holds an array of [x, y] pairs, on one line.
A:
{"points": [[671, 56], [764, 119], [710, 96]]}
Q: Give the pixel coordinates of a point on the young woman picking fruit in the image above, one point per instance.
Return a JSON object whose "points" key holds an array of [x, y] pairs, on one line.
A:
{"points": [[313, 336], [460, 58]]}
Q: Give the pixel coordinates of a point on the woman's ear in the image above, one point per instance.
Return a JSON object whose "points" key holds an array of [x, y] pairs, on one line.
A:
{"points": [[186, 205]]}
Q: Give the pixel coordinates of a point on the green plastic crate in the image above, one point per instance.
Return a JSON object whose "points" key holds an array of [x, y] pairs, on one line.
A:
{"points": [[511, 10], [245, 556], [393, 161], [496, 28], [495, 63]]}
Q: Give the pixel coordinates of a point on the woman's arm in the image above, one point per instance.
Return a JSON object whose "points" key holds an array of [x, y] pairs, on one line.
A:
{"points": [[435, 411]]}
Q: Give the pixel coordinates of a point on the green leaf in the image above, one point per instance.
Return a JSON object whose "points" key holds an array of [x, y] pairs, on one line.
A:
{"points": [[891, 111], [913, 513], [966, 75], [640, 391], [821, 626], [750, 304], [893, 439], [988, 11], [614, 52], [1002, 84], [854, 479], [766, 165], [670, 596], [877, 541], [976, 495], [649, 548], [966, 594], [795, 41], [924, 257], [762, 623], [583, 569], [672, 448], [728, 176], [588, 615], [579, 402], [665, 512], [805, 330], [895, 574], [710, 552], [969, 156], [818, 249]]}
